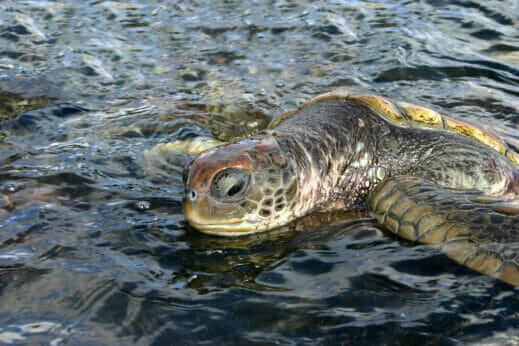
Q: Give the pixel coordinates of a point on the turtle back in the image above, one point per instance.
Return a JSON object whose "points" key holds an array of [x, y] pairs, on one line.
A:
{"points": [[409, 115]]}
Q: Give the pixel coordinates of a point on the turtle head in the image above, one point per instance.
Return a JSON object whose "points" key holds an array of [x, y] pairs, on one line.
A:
{"points": [[240, 188]]}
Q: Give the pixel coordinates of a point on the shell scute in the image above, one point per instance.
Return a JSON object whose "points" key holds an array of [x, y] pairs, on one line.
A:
{"points": [[382, 106], [281, 117], [330, 95], [464, 128], [421, 115], [410, 115]]}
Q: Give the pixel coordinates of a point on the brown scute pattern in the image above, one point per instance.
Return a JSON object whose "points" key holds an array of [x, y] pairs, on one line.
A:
{"points": [[333, 94], [281, 117], [411, 115], [468, 130], [421, 115], [425, 117], [471, 233], [383, 106]]}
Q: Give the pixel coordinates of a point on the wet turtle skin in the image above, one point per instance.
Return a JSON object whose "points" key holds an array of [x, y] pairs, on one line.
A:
{"points": [[427, 178]]}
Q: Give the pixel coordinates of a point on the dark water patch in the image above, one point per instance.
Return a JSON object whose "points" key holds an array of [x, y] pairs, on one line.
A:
{"points": [[500, 47], [312, 266], [491, 65], [193, 75], [441, 73], [215, 31], [432, 266], [487, 34], [487, 11], [16, 276], [224, 57], [34, 120], [66, 178], [21, 95], [89, 71]]}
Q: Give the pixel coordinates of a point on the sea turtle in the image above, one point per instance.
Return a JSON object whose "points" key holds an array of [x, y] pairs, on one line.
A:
{"points": [[425, 177]]}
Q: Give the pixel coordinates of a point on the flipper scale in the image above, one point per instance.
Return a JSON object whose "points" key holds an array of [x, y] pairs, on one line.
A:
{"points": [[469, 228]]}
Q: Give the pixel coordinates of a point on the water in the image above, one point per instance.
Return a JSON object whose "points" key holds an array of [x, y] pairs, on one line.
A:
{"points": [[93, 245]]}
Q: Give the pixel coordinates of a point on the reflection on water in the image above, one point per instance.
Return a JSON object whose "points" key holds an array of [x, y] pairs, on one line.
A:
{"points": [[93, 245]]}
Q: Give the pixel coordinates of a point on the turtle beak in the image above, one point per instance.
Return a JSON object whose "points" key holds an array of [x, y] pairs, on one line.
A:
{"points": [[187, 207], [231, 227]]}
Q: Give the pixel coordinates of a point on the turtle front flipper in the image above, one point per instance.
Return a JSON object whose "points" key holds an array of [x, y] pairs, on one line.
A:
{"points": [[478, 231], [190, 145]]}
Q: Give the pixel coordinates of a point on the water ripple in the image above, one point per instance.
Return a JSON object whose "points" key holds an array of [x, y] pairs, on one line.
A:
{"points": [[94, 248]]}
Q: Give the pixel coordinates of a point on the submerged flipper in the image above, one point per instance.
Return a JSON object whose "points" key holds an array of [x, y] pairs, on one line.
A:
{"points": [[478, 231], [190, 145]]}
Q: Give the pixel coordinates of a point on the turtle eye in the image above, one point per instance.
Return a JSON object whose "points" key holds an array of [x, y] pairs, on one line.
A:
{"points": [[229, 185]]}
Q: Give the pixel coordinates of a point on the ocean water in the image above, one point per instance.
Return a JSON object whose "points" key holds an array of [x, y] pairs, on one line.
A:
{"points": [[94, 249]]}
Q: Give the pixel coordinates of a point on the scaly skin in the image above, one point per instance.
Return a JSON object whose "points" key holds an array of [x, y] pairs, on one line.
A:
{"points": [[477, 231]]}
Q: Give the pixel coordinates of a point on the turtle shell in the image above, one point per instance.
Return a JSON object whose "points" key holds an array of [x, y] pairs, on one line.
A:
{"points": [[410, 115]]}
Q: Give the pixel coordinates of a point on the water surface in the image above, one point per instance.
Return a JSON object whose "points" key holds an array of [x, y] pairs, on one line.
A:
{"points": [[93, 245]]}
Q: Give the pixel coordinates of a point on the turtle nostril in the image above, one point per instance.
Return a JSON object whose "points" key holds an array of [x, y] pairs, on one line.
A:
{"points": [[191, 194]]}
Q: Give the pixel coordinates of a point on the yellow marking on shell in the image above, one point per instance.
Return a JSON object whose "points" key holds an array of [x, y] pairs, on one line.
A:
{"points": [[408, 114], [330, 95], [382, 106], [430, 118], [513, 156], [466, 129], [281, 117], [421, 115]]}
